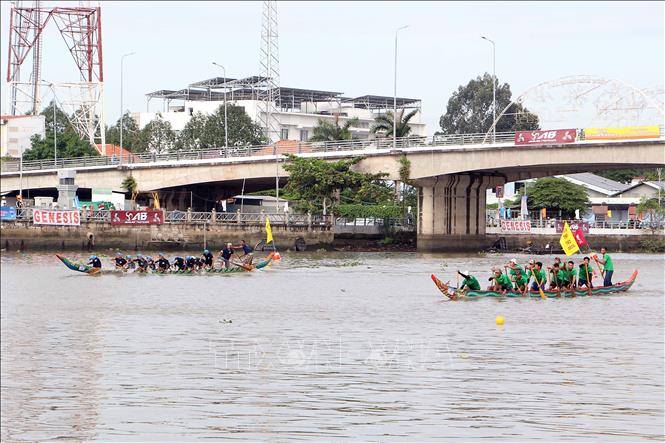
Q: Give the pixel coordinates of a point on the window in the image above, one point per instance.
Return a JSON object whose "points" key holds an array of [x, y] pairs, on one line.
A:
{"points": [[304, 135], [284, 134]]}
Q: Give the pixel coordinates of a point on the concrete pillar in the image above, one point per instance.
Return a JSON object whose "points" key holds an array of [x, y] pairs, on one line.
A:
{"points": [[213, 215]]}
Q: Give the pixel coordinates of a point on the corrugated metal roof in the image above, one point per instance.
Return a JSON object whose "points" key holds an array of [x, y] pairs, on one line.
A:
{"points": [[599, 182]]}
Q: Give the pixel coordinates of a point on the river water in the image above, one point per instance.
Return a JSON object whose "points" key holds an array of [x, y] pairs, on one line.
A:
{"points": [[325, 346]]}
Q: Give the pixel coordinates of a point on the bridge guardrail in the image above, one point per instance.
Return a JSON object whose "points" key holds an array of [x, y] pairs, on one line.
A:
{"points": [[287, 147]]}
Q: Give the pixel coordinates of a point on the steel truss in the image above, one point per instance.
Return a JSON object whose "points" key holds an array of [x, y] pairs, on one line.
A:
{"points": [[81, 29], [268, 90]]}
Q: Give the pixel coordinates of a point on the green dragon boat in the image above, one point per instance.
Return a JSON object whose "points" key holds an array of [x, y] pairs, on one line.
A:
{"points": [[457, 294], [239, 268]]}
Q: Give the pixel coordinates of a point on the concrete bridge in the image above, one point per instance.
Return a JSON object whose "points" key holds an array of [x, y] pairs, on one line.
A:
{"points": [[452, 180]]}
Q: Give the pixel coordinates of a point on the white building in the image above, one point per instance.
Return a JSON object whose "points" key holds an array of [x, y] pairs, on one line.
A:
{"points": [[299, 109], [16, 131]]}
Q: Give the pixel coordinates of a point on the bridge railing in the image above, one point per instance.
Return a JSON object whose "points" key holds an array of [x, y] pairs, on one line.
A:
{"points": [[283, 147]]}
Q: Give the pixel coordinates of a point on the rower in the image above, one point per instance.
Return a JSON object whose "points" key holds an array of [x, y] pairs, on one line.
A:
{"points": [[570, 275], [556, 276], [130, 262], [608, 266], [521, 282], [539, 277], [470, 282], [120, 261], [225, 254], [514, 267], [585, 274], [179, 263], [163, 263], [207, 259], [501, 282], [141, 263], [247, 250], [95, 261], [190, 262]]}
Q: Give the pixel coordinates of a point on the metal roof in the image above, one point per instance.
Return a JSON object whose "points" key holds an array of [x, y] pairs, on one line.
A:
{"points": [[597, 181], [187, 94], [383, 101], [211, 82]]}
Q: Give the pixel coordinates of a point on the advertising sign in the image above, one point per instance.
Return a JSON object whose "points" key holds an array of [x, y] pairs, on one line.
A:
{"points": [[623, 133], [574, 226], [58, 218], [7, 213], [515, 226], [148, 217], [545, 137]]}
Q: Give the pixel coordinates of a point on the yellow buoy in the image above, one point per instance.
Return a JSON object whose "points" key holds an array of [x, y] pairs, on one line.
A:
{"points": [[500, 320]]}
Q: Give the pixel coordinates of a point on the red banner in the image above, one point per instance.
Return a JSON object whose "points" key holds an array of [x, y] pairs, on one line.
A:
{"points": [[137, 217], [516, 225], [579, 237], [574, 225], [58, 218], [545, 137]]}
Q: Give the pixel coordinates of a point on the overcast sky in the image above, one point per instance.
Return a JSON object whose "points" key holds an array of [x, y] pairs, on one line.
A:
{"points": [[348, 46]]}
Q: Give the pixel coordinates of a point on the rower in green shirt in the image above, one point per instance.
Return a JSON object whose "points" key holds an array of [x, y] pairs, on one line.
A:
{"points": [[514, 267], [608, 266], [571, 275], [539, 277], [556, 277], [585, 274], [470, 282], [521, 282], [501, 282]]}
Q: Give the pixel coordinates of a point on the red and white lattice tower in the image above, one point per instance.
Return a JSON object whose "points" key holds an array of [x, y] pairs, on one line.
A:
{"points": [[81, 29]]}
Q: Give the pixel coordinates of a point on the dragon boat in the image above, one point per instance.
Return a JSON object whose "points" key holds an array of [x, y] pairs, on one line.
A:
{"points": [[458, 294], [238, 268]]}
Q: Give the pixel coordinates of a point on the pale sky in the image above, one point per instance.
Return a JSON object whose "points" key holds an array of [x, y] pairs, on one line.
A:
{"points": [[348, 46]]}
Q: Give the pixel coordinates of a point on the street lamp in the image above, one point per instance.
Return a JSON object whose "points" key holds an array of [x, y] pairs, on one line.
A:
{"points": [[395, 91], [493, 88], [226, 126], [122, 110], [55, 132]]}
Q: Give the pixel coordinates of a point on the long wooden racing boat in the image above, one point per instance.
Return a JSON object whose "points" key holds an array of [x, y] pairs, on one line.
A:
{"points": [[457, 294], [238, 268]]}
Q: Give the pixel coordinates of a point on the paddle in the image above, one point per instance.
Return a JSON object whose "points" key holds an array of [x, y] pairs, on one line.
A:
{"points": [[540, 289], [588, 281]]}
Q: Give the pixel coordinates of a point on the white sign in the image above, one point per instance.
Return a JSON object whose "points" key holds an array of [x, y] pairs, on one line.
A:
{"points": [[516, 225], [60, 218]]}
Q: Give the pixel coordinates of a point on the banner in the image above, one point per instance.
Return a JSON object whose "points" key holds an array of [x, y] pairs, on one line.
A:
{"points": [[7, 213], [58, 218], [268, 231], [148, 217], [579, 238], [574, 225], [515, 225], [567, 241], [623, 133], [545, 137]]}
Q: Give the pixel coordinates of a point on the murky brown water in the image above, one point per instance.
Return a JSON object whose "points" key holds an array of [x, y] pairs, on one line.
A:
{"points": [[324, 346]]}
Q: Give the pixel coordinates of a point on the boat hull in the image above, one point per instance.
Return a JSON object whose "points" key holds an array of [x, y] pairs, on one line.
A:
{"points": [[601, 290]]}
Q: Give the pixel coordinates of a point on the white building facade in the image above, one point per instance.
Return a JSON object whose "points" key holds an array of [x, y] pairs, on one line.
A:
{"points": [[298, 112], [16, 131]]}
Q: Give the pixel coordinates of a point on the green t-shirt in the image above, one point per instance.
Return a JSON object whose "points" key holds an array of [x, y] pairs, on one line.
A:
{"points": [[521, 281], [557, 276], [608, 266], [472, 282], [536, 274], [504, 281], [568, 274], [584, 271], [513, 271]]}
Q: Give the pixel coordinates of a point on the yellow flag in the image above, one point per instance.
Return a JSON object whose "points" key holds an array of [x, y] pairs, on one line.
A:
{"points": [[268, 231], [567, 241]]}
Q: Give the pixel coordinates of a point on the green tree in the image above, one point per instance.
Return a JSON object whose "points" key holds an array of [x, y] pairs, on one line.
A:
{"points": [[129, 184], [207, 131], [627, 175], [130, 132], [653, 214], [558, 194], [383, 124], [327, 131], [315, 183], [69, 143], [157, 137], [469, 109]]}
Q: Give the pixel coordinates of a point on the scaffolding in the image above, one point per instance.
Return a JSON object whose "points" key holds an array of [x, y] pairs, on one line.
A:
{"points": [[269, 92]]}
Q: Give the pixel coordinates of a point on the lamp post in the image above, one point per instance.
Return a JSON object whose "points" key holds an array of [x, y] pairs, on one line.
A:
{"points": [[395, 91], [226, 126], [493, 88], [122, 110]]}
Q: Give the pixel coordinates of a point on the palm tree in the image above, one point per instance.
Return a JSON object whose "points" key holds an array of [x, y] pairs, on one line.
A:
{"points": [[326, 131], [383, 124]]}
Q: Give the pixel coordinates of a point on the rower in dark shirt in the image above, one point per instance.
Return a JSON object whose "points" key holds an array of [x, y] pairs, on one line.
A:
{"points": [[95, 261], [190, 262], [163, 263], [179, 263], [120, 261], [207, 259], [141, 263]]}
